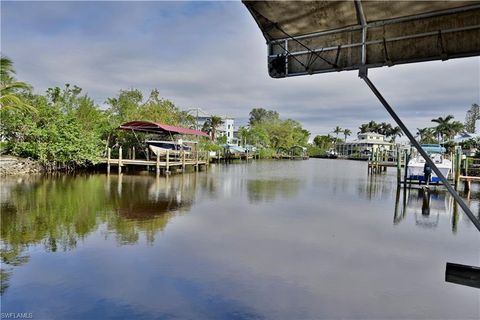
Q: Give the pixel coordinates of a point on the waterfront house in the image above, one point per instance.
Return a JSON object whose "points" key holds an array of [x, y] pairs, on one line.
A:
{"points": [[365, 144]]}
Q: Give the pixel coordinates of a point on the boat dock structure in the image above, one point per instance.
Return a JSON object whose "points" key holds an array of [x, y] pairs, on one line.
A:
{"points": [[465, 170], [167, 154], [166, 164]]}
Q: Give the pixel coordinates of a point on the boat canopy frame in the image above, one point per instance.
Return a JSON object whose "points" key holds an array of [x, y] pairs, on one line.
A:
{"points": [[154, 127]]}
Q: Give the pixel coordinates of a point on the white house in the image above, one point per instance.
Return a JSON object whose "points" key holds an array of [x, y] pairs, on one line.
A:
{"points": [[365, 143], [226, 129]]}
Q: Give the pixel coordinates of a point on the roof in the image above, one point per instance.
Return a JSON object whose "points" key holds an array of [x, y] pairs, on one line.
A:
{"points": [[465, 136], [433, 148], [154, 127], [368, 141], [306, 37], [372, 134]]}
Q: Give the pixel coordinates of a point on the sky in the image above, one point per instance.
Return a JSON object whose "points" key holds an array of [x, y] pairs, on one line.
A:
{"points": [[212, 55]]}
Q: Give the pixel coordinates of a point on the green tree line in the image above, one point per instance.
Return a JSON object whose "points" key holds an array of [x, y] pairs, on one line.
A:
{"points": [[65, 129], [267, 131]]}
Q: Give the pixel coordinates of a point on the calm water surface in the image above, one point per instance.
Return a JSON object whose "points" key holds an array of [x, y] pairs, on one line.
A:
{"points": [[266, 240]]}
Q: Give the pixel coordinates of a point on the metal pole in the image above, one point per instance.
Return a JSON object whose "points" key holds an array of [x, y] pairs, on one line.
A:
{"points": [[415, 143]]}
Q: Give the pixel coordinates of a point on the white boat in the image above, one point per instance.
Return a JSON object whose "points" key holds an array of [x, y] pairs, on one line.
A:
{"points": [[160, 147], [332, 154], [416, 166]]}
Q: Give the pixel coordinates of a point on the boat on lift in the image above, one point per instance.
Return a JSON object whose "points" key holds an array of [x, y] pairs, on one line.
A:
{"points": [[416, 166], [160, 148]]}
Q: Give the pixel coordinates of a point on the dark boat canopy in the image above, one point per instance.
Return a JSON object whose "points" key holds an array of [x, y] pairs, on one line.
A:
{"points": [[153, 127], [306, 37]]}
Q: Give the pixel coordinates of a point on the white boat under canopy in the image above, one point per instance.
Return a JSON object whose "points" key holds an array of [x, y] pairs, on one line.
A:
{"points": [[416, 167]]}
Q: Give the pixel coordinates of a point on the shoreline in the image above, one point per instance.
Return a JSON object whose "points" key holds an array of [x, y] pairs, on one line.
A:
{"points": [[16, 166]]}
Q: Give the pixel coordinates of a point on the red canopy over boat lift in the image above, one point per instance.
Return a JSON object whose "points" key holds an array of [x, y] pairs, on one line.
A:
{"points": [[154, 127]]}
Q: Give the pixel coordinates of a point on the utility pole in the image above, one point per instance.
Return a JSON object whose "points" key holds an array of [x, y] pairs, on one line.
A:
{"points": [[196, 124]]}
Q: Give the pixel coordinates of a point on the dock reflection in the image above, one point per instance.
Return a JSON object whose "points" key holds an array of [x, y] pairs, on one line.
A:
{"points": [[427, 208]]}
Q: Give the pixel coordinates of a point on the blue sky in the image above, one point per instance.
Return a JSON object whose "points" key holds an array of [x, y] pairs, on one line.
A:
{"points": [[211, 55]]}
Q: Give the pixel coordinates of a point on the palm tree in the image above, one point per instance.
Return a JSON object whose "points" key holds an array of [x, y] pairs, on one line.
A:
{"points": [[443, 127], [337, 131], [454, 128], [363, 128], [384, 128], [394, 133], [426, 135], [211, 125], [346, 133], [374, 127], [10, 88]]}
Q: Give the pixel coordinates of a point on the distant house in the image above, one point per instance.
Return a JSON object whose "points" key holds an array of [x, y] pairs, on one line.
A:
{"points": [[227, 129], [464, 136], [366, 143]]}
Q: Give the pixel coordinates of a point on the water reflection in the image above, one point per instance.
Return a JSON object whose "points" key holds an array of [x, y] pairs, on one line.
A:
{"points": [[377, 187], [427, 207], [276, 240], [57, 212], [266, 190]]}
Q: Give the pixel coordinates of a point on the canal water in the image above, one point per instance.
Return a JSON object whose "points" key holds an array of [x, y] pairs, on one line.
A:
{"points": [[266, 240]]}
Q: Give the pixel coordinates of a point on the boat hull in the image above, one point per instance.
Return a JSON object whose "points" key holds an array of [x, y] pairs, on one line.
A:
{"points": [[415, 170], [160, 148]]}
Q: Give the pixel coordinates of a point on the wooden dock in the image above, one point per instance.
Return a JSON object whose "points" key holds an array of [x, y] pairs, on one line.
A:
{"points": [[163, 164]]}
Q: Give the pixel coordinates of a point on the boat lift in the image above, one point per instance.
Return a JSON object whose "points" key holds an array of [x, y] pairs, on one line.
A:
{"points": [[309, 37]]}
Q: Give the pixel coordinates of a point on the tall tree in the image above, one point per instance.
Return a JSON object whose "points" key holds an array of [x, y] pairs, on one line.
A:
{"points": [[371, 126], [337, 131], [346, 133], [426, 135], [258, 115], [323, 142], [473, 114], [211, 125], [395, 132], [446, 128], [384, 128], [11, 90]]}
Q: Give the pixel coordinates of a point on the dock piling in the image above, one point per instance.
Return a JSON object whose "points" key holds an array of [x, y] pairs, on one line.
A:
{"points": [[148, 158], [458, 164], [183, 161], [119, 160], [399, 165], [109, 154], [167, 164]]}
